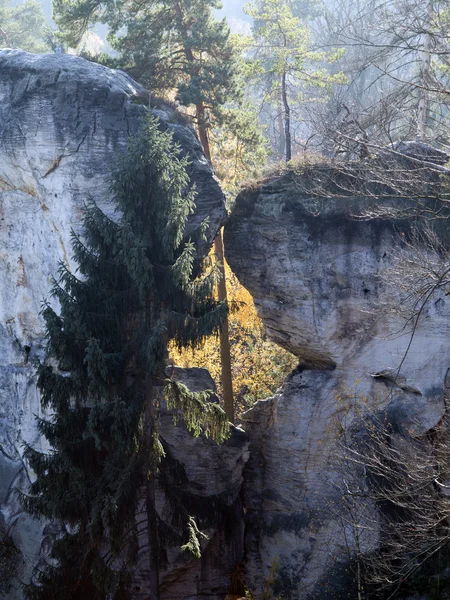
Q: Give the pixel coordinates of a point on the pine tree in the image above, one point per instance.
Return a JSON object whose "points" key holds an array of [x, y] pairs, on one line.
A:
{"points": [[286, 61], [168, 45], [23, 25], [138, 287]]}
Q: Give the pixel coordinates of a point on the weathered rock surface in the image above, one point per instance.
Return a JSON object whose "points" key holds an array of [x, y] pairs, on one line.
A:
{"points": [[210, 486], [62, 122], [340, 283], [335, 282]]}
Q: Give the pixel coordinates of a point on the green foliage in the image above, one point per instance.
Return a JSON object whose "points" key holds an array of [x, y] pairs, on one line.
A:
{"points": [[290, 72], [238, 148], [181, 52], [178, 46], [238, 145], [283, 43], [23, 26], [135, 291], [193, 545], [200, 415], [174, 45]]}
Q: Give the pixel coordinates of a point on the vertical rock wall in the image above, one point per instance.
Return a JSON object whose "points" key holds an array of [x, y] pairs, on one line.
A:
{"points": [[336, 281]]}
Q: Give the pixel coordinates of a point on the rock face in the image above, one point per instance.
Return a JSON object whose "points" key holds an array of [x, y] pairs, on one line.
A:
{"points": [[210, 487], [341, 283], [63, 120]]}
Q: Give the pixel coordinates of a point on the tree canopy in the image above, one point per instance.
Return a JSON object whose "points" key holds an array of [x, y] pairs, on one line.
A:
{"points": [[23, 26], [287, 62]]}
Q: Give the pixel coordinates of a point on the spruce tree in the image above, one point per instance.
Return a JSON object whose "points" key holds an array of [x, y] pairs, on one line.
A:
{"points": [[138, 286], [177, 48], [179, 45]]}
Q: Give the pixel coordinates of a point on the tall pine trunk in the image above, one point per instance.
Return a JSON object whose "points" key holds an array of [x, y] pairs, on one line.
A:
{"points": [[150, 486], [225, 353], [287, 118]]}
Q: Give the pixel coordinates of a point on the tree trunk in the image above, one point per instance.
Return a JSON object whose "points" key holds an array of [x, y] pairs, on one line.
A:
{"points": [[282, 140], [150, 506], [287, 118], [225, 355], [422, 113], [5, 37], [202, 129]]}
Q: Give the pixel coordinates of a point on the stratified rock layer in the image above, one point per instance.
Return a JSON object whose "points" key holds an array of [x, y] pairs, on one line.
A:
{"points": [[63, 120], [340, 282]]}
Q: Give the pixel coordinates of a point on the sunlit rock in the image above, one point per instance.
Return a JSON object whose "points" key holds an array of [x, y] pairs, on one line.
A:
{"points": [[344, 283]]}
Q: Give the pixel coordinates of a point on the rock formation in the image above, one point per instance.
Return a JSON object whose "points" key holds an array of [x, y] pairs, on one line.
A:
{"points": [[208, 481], [63, 121], [341, 282]]}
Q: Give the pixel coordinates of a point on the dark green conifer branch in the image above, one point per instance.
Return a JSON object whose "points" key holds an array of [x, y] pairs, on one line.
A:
{"points": [[200, 414]]}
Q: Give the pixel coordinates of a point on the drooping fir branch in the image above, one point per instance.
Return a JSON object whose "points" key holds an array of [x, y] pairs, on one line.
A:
{"points": [[195, 535], [199, 413]]}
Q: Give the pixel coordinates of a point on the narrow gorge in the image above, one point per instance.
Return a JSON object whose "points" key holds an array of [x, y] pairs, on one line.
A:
{"points": [[337, 279]]}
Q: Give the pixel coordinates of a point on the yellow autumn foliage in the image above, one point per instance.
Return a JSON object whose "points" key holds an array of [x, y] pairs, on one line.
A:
{"points": [[258, 365]]}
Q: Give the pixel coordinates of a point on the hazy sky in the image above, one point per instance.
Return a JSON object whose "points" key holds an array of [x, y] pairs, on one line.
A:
{"points": [[238, 20], [232, 9]]}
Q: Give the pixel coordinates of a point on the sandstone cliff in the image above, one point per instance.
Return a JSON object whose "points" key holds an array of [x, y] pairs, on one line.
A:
{"points": [[338, 280], [63, 120], [335, 279]]}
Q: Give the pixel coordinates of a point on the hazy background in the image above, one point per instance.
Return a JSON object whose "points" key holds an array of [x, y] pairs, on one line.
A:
{"points": [[233, 10]]}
